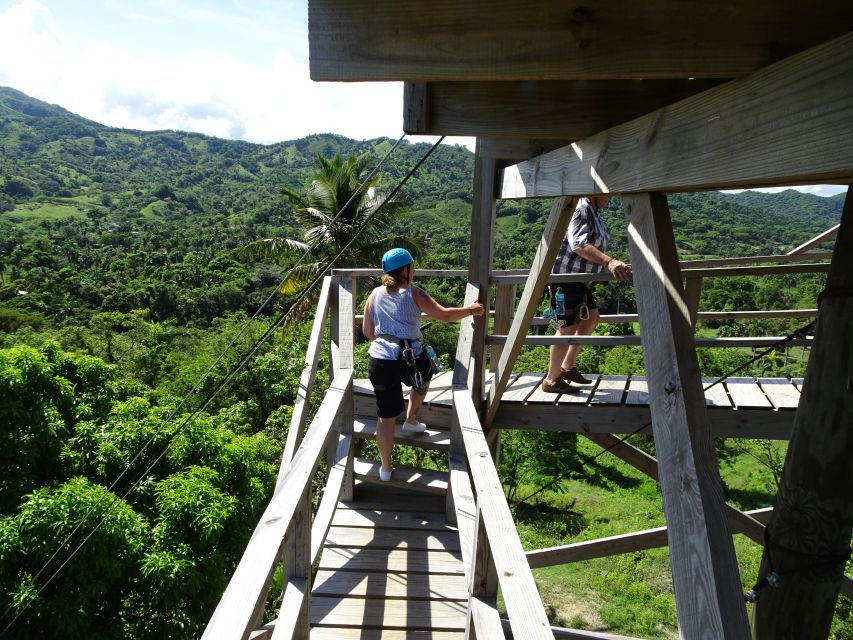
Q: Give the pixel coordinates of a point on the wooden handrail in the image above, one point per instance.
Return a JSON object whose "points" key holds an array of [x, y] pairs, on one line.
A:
{"points": [[521, 597], [615, 341], [500, 275], [688, 271], [245, 596], [306, 380]]}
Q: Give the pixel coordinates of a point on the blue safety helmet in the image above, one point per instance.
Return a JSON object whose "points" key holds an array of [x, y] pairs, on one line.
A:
{"points": [[395, 259]]}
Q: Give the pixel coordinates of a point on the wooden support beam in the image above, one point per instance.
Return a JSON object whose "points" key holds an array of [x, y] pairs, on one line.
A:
{"points": [[456, 40], [724, 423], [790, 123], [296, 567], [504, 305], [809, 533], [462, 374], [549, 244], [513, 150], [814, 242], [692, 292], [480, 260], [561, 109], [609, 546], [520, 594], [346, 342], [739, 521], [306, 379], [245, 596], [704, 566], [482, 585]]}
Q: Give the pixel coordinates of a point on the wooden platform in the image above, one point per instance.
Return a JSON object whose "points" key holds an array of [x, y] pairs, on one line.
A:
{"points": [[391, 568], [737, 407]]}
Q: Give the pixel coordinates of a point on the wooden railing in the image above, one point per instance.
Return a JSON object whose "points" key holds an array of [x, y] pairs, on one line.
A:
{"points": [[288, 534]]}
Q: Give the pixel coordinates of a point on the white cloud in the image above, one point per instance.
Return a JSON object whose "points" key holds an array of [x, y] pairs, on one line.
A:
{"points": [[200, 90]]}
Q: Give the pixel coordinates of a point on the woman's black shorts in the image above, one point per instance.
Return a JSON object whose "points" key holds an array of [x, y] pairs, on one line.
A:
{"points": [[577, 294], [387, 379]]}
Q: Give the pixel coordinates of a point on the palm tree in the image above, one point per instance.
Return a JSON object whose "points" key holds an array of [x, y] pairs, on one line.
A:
{"points": [[336, 183]]}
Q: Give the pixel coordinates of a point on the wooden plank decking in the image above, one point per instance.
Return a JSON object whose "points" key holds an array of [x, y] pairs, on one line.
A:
{"points": [[391, 568], [737, 407]]}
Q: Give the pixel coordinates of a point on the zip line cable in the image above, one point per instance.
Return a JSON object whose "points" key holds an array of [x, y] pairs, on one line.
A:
{"points": [[258, 343], [774, 347], [204, 376]]}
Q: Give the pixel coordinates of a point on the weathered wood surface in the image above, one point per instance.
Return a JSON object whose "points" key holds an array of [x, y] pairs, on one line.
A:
{"points": [[379, 584], [387, 613], [331, 495], [617, 341], [459, 41], [390, 518], [812, 520], [790, 123], [438, 439], [380, 538], [781, 393], [602, 408], [704, 567], [416, 479], [565, 110], [746, 394], [245, 595], [341, 633], [387, 566], [306, 379], [521, 596]]}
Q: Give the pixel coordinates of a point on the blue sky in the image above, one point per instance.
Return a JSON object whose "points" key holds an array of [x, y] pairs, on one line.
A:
{"points": [[234, 69]]}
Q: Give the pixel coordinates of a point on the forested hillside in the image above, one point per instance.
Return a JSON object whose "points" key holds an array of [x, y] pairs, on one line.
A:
{"points": [[122, 280]]}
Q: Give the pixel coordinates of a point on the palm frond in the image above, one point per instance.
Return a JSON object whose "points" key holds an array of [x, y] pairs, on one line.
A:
{"points": [[271, 249]]}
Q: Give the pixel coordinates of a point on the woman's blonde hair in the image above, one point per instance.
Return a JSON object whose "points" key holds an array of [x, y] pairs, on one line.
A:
{"points": [[393, 279]]}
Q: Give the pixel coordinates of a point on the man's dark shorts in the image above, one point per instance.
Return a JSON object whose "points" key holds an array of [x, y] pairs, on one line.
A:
{"points": [[577, 294], [386, 376]]}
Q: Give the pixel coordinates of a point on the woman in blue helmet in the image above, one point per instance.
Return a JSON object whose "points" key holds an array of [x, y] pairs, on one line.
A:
{"points": [[392, 318]]}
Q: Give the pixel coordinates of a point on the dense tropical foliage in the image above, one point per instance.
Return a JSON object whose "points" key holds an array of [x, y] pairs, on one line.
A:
{"points": [[122, 280]]}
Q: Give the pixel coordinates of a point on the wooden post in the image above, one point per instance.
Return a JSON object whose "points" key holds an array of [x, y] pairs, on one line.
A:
{"points": [[480, 261], [692, 291], [705, 576], [504, 305], [483, 583], [345, 361], [809, 533], [296, 561]]}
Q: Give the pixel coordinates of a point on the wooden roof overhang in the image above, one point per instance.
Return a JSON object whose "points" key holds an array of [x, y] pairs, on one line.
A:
{"points": [[532, 77]]}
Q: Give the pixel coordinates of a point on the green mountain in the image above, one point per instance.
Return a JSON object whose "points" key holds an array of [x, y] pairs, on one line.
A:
{"points": [[95, 218]]}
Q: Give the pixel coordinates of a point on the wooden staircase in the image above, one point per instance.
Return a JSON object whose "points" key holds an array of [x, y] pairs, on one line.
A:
{"points": [[391, 565], [391, 568]]}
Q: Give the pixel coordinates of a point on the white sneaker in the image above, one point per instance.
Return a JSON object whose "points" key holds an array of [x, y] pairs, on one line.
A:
{"points": [[408, 427], [385, 476]]}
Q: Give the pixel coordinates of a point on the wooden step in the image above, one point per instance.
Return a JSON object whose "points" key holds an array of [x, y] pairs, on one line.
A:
{"points": [[424, 480], [345, 633], [379, 613], [438, 439]]}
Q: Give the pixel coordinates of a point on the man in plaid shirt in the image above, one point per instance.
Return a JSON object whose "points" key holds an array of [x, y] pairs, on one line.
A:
{"points": [[584, 250]]}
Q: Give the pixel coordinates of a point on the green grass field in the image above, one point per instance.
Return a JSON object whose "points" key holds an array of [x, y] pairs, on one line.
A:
{"points": [[34, 212], [631, 594]]}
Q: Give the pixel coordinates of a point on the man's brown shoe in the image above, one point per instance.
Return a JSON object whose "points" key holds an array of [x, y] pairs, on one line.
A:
{"points": [[573, 375], [559, 386]]}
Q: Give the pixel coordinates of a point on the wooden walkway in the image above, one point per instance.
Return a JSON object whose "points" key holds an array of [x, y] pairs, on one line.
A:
{"points": [[391, 568], [737, 407]]}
